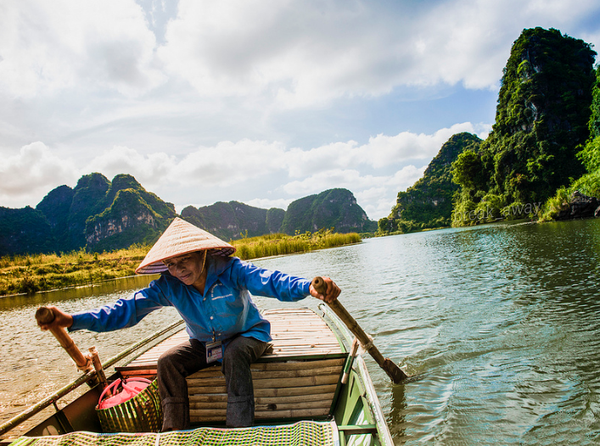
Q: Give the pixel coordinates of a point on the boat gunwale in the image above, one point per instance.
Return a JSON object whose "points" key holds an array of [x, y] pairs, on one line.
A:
{"points": [[384, 434]]}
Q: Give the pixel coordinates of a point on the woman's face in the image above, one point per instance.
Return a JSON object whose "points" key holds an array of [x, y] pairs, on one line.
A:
{"points": [[187, 267]]}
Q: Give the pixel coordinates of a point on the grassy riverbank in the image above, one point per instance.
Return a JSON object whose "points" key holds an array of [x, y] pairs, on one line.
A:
{"points": [[42, 272]]}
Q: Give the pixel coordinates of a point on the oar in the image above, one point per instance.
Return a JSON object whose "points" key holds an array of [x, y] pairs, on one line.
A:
{"points": [[45, 315], [393, 371]]}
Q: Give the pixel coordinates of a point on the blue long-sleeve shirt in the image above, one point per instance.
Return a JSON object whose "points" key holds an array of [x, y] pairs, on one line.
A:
{"points": [[225, 310]]}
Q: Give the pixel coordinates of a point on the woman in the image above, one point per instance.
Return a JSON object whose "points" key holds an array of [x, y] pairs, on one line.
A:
{"points": [[212, 292]]}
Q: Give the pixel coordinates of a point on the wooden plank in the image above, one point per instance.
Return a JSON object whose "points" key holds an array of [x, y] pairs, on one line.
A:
{"points": [[276, 404], [301, 413], [200, 386], [294, 391], [276, 366], [197, 389], [295, 373], [270, 374], [279, 406], [274, 393], [298, 399], [293, 406], [290, 365], [208, 398]]}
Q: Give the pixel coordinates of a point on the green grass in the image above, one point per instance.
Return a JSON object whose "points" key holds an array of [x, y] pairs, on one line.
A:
{"points": [[281, 244], [43, 272]]}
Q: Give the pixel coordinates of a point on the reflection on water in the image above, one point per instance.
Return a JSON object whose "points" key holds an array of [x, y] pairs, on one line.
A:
{"points": [[499, 324]]}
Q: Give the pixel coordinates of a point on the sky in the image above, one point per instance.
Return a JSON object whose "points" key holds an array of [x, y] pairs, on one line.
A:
{"points": [[262, 102]]}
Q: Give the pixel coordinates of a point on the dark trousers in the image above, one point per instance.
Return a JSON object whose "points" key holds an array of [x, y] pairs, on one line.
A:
{"points": [[181, 361]]}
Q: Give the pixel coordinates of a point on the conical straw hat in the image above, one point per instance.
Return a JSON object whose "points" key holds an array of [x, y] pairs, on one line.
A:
{"points": [[180, 238]]}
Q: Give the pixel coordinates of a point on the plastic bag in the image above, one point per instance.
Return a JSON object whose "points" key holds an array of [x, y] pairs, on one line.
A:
{"points": [[129, 388]]}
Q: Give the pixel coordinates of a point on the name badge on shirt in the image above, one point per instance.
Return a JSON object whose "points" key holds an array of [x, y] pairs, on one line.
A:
{"points": [[214, 351]]}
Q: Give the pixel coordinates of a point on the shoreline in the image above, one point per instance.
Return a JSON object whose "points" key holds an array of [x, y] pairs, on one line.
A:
{"points": [[43, 273]]}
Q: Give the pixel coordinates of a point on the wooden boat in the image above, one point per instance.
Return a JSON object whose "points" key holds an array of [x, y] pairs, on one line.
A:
{"points": [[311, 388]]}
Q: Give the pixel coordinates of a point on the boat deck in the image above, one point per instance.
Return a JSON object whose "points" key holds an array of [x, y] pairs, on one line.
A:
{"points": [[298, 377]]}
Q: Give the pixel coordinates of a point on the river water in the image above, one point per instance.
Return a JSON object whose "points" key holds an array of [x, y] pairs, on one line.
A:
{"points": [[499, 324]]}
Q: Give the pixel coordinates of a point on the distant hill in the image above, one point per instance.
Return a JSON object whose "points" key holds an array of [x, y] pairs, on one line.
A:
{"points": [[130, 215], [333, 208], [229, 220], [428, 203], [97, 214], [102, 215], [24, 230]]}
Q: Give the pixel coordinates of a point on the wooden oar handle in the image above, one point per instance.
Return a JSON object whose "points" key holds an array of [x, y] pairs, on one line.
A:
{"points": [[319, 285], [393, 371], [45, 315]]}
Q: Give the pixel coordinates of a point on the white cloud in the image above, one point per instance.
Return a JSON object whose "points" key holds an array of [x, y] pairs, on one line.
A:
{"points": [[284, 53], [150, 170], [375, 194], [266, 203], [32, 173], [50, 46], [298, 54], [230, 163], [380, 151]]}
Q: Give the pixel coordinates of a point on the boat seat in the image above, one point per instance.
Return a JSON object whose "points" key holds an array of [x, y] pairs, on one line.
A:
{"points": [[297, 378]]}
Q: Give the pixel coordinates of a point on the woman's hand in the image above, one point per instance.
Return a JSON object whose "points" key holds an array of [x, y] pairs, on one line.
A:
{"points": [[331, 292], [61, 319]]}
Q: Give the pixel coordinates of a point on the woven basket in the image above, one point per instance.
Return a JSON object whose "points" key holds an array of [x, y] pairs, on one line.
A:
{"points": [[142, 413]]}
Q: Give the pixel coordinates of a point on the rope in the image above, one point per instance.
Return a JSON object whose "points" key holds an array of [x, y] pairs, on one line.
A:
{"points": [[369, 345]]}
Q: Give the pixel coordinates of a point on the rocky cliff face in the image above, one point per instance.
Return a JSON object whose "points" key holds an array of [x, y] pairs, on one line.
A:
{"points": [[88, 200], [579, 206], [541, 124], [229, 221], [133, 215], [334, 208]]}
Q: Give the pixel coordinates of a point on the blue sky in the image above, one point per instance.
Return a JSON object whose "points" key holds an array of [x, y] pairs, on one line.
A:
{"points": [[262, 102]]}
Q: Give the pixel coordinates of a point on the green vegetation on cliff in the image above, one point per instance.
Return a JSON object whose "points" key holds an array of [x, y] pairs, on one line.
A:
{"points": [[545, 136], [541, 121], [588, 184], [332, 209], [428, 203], [24, 230], [229, 220], [97, 215], [130, 215]]}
